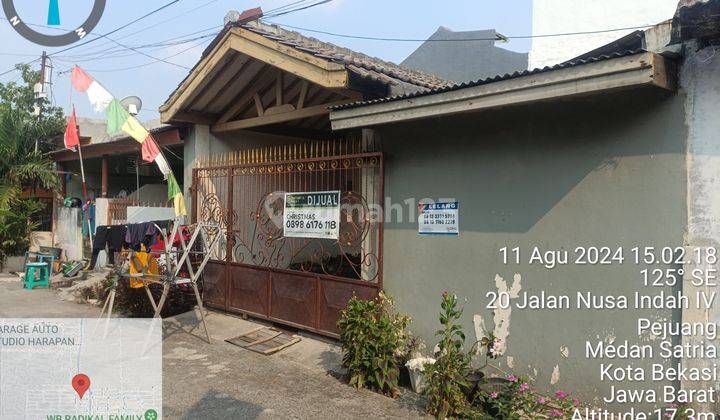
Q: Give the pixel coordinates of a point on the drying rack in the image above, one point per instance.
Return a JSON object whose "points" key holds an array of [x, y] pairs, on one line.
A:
{"points": [[173, 258]]}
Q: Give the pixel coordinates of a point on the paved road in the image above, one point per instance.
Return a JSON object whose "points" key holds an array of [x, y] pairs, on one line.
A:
{"points": [[222, 381]]}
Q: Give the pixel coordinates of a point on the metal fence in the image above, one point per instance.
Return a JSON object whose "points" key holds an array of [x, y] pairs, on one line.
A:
{"points": [[298, 281], [117, 209]]}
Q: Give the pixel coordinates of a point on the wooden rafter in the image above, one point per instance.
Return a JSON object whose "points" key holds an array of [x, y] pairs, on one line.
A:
{"points": [[303, 94], [279, 89], [240, 84], [258, 105], [187, 88], [225, 77], [307, 112], [262, 81], [267, 96], [303, 65]]}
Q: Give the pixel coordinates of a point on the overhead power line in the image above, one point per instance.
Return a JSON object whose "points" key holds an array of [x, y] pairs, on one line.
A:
{"points": [[300, 7], [376, 38], [285, 6], [146, 64], [176, 40], [132, 22], [121, 52], [156, 24]]}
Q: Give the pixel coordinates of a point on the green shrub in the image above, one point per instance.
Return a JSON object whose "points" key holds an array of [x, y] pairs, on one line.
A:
{"points": [[446, 379], [372, 334], [15, 227]]}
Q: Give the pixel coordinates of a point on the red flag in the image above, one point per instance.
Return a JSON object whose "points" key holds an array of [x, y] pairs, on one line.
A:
{"points": [[72, 135]]}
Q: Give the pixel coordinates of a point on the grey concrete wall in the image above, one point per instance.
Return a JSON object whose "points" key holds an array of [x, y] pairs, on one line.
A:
{"points": [[464, 60], [203, 143], [699, 77], [605, 172], [196, 146]]}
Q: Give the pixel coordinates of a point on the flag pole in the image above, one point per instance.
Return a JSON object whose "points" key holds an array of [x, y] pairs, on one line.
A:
{"points": [[76, 137], [84, 189]]}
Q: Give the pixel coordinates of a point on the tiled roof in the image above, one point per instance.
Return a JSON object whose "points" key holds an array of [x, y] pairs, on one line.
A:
{"points": [[358, 63], [362, 64], [494, 79]]}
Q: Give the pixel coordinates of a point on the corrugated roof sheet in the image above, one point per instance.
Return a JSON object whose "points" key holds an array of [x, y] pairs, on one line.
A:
{"points": [[494, 79]]}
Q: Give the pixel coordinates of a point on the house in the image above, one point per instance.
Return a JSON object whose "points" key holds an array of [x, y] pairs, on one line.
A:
{"points": [[465, 55], [257, 108], [113, 167], [599, 157], [589, 156], [117, 180]]}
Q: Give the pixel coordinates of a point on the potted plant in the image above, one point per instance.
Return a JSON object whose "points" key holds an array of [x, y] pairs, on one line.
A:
{"points": [[411, 349], [416, 369]]}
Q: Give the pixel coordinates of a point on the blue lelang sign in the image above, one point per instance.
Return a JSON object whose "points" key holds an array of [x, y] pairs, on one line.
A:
{"points": [[439, 218]]}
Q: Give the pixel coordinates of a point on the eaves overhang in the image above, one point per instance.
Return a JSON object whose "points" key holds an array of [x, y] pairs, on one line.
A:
{"points": [[587, 77]]}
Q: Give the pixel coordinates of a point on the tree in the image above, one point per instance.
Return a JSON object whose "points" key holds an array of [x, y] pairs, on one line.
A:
{"points": [[21, 97], [20, 165]]}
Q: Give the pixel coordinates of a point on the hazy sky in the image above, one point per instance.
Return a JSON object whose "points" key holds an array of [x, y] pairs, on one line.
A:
{"points": [[154, 82]]}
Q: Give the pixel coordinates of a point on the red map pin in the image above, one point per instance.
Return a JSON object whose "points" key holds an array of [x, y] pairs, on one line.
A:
{"points": [[80, 384]]}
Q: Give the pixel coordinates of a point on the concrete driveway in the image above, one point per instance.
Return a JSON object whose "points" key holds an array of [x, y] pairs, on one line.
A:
{"points": [[222, 381]]}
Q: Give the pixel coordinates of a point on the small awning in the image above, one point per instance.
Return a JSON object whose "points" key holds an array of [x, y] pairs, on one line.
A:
{"points": [[164, 136], [579, 78]]}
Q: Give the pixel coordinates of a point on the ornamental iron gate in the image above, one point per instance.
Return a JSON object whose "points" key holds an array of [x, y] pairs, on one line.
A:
{"points": [[299, 282]]}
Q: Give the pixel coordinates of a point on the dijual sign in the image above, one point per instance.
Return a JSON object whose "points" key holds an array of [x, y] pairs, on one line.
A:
{"points": [[312, 215]]}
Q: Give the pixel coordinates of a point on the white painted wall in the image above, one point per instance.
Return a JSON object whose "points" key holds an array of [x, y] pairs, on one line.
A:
{"points": [[137, 214], [565, 16], [69, 233]]}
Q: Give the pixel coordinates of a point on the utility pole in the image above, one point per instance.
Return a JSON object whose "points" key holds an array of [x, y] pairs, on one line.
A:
{"points": [[40, 92]]}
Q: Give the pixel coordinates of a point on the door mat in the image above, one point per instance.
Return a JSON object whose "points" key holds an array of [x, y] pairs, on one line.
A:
{"points": [[265, 340]]}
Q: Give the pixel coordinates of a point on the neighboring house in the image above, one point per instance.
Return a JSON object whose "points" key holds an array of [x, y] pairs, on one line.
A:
{"points": [[465, 56], [552, 17], [113, 172], [617, 150], [110, 161]]}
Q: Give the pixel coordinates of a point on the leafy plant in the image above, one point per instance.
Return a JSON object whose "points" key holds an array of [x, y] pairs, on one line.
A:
{"points": [[446, 378], [20, 164], [411, 348], [371, 334], [491, 344], [518, 400], [20, 97], [16, 227]]}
